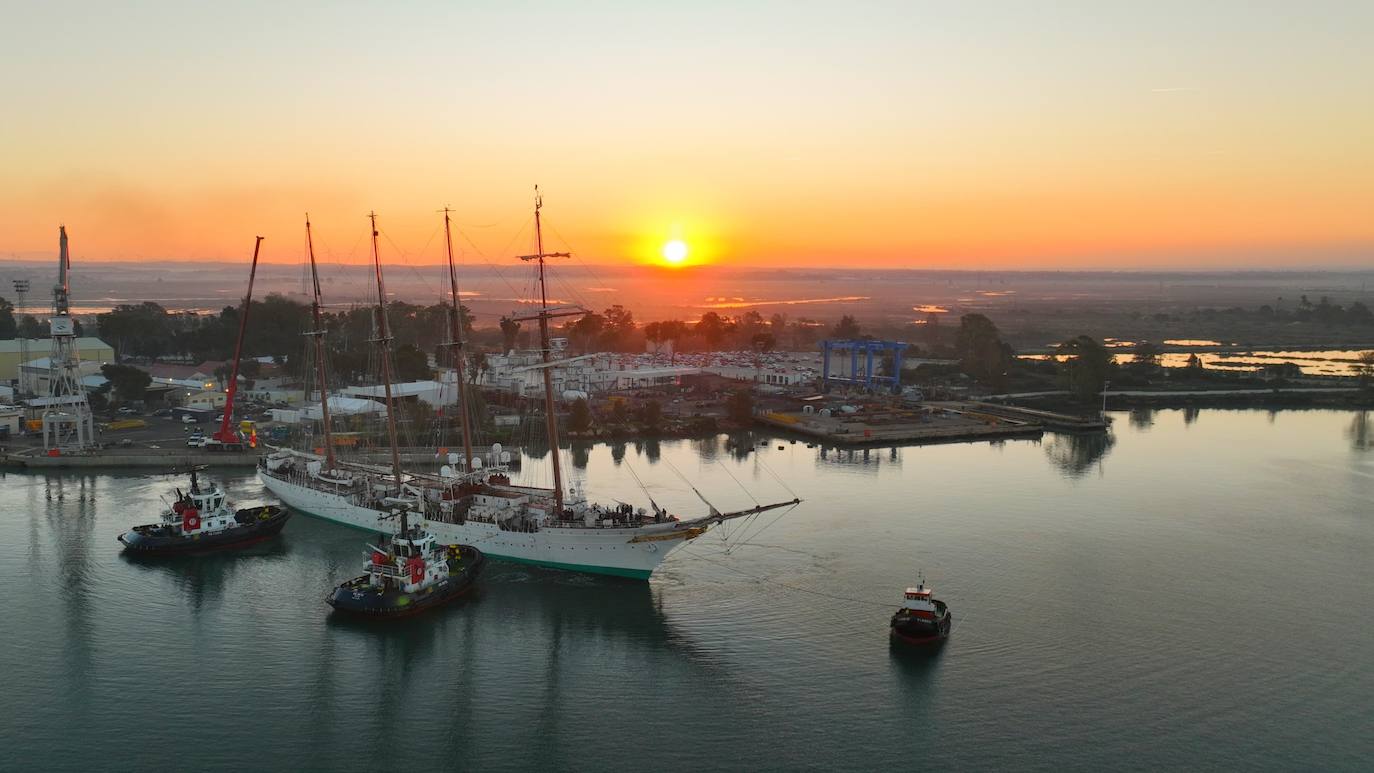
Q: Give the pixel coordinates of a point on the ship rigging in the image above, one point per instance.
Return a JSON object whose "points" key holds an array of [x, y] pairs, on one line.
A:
{"points": [[478, 505]]}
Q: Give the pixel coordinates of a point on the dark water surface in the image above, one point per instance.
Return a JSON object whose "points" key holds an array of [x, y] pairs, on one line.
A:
{"points": [[1196, 593]]}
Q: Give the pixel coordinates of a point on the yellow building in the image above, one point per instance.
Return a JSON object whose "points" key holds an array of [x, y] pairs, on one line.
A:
{"points": [[206, 400], [88, 348]]}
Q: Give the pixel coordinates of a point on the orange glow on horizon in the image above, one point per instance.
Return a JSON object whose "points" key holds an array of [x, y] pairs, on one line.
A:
{"points": [[851, 140], [676, 243]]}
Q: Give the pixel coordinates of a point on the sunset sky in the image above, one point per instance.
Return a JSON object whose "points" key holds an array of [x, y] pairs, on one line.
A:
{"points": [[948, 135]]}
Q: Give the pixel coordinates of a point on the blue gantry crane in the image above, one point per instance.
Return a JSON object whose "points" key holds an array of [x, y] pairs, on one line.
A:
{"points": [[861, 373]]}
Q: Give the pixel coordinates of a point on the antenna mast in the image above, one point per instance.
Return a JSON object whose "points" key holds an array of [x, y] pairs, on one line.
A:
{"points": [[547, 352], [21, 289], [318, 335], [457, 344]]}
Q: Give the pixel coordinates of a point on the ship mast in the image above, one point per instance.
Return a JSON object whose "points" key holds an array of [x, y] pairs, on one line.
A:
{"points": [[457, 344], [383, 341], [318, 335], [547, 352]]}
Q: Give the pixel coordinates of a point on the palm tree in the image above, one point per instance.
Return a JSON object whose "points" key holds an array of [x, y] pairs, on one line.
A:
{"points": [[509, 330], [673, 331], [479, 365], [653, 333]]}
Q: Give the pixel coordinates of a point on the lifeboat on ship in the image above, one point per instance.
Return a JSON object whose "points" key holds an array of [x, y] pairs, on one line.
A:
{"points": [[922, 619]]}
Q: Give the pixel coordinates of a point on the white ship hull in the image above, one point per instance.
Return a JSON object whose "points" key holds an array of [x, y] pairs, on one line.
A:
{"points": [[598, 551]]}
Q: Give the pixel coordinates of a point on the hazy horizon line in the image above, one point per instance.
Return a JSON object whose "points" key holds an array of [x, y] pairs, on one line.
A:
{"points": [[669, 270]]}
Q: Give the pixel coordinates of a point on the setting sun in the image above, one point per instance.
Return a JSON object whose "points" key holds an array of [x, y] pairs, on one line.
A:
{"points": [[674, 252]]}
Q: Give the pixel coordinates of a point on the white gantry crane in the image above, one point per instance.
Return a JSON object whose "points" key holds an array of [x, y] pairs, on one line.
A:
{"points": [[67, 421]]}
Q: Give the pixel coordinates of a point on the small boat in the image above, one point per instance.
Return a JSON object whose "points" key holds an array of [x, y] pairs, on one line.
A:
{"points": [[921, 619], [409, 574], [204, 519]]}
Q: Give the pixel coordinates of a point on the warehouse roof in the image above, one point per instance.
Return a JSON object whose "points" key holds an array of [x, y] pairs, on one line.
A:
{"points": [[40, 344]]}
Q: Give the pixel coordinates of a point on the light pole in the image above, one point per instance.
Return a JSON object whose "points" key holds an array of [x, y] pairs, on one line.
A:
{"points": [[21, 289], [1105, 384]]}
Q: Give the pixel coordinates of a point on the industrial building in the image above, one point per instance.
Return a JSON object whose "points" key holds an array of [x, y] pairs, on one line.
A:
{"points": [[434, 393], [12, 353], [519, 372], [338, 406], [35, 376]]}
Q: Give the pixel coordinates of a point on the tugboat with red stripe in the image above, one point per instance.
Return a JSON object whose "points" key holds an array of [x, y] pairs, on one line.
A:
{"points": [[409, 574], [203, 519], [921, 619]]}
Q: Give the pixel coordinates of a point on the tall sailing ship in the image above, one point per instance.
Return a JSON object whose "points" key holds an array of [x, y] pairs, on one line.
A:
{"points": [[474, 502]]}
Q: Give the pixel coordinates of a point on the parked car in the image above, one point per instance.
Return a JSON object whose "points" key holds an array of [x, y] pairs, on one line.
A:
{"points": [[187, 418], [127, 411]]}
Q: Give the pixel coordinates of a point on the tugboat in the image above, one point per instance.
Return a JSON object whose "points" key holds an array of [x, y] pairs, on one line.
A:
{"points": [[204, 519], [921, 619], [409, 574]]}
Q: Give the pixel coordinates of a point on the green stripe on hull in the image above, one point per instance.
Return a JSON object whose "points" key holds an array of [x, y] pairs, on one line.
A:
{"points": [[335, 521], [613, 571]]}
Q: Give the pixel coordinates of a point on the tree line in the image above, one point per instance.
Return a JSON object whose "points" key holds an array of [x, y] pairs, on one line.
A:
{"points": [[27, 325], [149, 332], [1083, 364], [615, 330]]}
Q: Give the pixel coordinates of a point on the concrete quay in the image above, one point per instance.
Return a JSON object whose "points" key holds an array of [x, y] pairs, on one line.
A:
{"points": [[929, 423]]}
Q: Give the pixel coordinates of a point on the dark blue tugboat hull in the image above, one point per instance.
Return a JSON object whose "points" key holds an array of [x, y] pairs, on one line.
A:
{"points": [[916, 630], [157, 541], [355, 597]]}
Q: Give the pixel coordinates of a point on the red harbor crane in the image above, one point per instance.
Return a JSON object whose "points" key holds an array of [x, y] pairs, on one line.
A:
{"points": [[227, 438]]}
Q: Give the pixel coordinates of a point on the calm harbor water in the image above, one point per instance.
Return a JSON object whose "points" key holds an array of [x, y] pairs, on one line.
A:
{"points": [[1194, 592]]}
